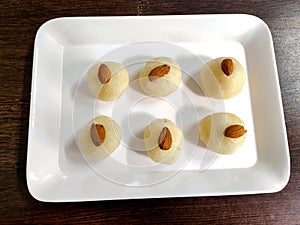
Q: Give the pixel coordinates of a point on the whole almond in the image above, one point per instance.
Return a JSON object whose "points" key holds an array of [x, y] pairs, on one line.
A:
{"points": [[104, 73], [227, 66], [234, 131], [97, 133], [165, 139], [158, 72]]}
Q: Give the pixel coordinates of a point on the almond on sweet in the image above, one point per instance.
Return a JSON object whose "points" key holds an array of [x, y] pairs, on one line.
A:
{"points": [[227, 66], [158, 72], [165, 139], [104, 74], [235, 131], [97, 133]]}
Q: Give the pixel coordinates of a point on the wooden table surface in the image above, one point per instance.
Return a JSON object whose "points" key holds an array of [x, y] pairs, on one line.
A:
{"points": [[19, 21]]}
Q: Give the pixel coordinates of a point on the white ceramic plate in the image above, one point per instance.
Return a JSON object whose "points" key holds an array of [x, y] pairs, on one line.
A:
{"points": [[61, 105]]}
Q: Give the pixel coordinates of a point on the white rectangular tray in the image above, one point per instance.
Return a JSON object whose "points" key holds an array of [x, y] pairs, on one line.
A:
{"points": [[66, 47]]}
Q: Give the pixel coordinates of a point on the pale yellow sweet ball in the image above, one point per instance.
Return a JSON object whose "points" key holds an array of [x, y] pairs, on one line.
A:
{"points": [[222, 78], [100, 137], [107, 80], [223, 133], [164, 81], [163, 141]]}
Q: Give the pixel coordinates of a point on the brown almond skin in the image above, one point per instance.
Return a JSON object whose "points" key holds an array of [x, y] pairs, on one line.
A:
{"points": [[165, 139], [104, 74], [158, 72], [97, 133], [234, 131], [227, 66]]}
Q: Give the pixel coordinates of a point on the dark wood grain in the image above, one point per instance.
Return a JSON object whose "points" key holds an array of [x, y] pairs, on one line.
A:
{"points": [[19, 21]]}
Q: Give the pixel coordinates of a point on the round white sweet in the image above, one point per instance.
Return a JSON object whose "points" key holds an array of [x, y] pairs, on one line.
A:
{"points": [[114, 87], [217, 84], [111, 141], [151, 135], [162, 86], [212, 129]]}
